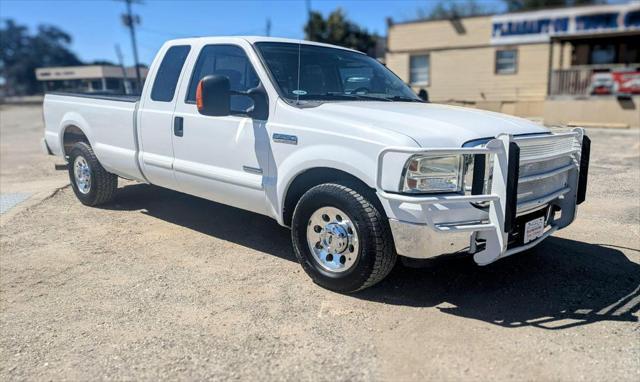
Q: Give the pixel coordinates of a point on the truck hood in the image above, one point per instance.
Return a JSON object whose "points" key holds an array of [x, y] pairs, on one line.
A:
{"points": [[429, 124]]}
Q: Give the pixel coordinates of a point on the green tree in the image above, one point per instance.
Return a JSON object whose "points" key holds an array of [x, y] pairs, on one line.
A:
{"points": [[337, 29], [453, 9], [21, 53], [526, 5], [101, 62]]}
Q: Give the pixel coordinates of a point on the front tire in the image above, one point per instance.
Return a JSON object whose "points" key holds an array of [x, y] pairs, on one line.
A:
{"points": [[91, 183], [342, 239]]}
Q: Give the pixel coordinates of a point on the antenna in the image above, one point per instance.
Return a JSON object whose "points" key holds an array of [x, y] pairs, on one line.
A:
{"points": [[268, 28], [297, 92]]}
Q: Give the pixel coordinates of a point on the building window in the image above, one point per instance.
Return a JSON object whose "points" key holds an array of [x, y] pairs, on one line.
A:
{"points": [[603, 54], [506, 61], [419, 70]]}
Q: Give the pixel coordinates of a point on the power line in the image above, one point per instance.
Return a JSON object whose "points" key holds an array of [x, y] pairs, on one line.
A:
{"points": [[183, 35], [163, 33]]}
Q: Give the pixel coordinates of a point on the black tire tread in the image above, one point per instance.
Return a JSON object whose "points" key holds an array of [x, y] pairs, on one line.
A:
{"points": [[105, 183], [377, 225]]}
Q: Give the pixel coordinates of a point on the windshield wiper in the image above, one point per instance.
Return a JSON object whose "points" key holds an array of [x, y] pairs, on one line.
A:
{"points": [[344, 96], [403, 99]]}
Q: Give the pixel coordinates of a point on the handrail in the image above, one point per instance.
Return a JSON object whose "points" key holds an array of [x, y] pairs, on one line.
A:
{"points": [[439, 199]]}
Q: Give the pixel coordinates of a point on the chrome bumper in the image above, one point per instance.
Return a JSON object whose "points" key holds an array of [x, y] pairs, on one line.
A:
{"points": [[488, 237], [419, 241]]}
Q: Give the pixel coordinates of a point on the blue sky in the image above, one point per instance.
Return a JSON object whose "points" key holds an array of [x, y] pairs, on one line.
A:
{"points": [[96, 27]]}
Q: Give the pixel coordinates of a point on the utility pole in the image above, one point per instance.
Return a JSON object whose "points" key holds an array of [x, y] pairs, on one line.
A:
{"points": [[130, 20], [268, 28], [125, 80]]}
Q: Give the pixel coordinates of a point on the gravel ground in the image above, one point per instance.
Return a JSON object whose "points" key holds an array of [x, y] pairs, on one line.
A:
{"points": [[159, 284]]}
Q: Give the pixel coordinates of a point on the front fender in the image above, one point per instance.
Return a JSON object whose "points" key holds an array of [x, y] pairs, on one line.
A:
{"points": [[361, 165]]}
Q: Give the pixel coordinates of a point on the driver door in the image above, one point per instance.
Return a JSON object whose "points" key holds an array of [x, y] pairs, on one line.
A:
{"points": [[221, 158]]}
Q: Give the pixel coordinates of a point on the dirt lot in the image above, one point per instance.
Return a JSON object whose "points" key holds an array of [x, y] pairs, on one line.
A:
{"points": [[159, 284]]}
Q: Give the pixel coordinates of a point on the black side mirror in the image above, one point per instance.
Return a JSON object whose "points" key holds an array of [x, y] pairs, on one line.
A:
{"points": [[260, 108], [424, 95], [213, 96]]}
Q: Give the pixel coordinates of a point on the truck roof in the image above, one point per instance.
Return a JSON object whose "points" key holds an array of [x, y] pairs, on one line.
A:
{"points": [[254, 39]]}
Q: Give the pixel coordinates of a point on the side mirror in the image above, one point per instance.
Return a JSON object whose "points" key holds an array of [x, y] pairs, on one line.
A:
{"points": [[213, 96], [260, 108], [424, 95]]}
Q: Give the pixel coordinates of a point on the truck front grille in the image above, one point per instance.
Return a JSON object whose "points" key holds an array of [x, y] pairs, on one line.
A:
{"points": [[545, 162]]}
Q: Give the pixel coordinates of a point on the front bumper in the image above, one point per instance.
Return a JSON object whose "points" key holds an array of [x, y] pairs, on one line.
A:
{"points": [[420, 241], [429, 226]]}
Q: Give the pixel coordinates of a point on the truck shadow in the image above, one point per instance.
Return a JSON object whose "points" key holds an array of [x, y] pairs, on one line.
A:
{"points": [[560, 284], [213, 219]]}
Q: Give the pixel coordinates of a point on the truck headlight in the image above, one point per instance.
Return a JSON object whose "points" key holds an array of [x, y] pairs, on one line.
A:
{"points": [[431, 174], [478, 174]]}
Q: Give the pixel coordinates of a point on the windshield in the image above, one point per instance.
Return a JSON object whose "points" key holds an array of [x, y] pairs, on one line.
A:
{"points": [[315, 73]]}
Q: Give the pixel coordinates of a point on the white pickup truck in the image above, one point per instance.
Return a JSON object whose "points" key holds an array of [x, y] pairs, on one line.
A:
{"points": [[331, 143]]}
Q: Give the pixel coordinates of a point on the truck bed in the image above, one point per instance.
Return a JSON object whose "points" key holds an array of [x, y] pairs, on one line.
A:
{"points": [[108, 120]]}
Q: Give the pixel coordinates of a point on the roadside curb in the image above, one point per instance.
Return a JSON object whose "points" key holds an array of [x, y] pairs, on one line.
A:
{"points": [[35, 200]]}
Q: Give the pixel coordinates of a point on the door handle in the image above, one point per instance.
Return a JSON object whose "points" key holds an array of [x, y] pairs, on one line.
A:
{"points": [[178, 126]]}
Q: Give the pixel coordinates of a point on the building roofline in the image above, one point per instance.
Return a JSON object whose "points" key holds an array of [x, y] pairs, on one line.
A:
{"points": [[490, 14], [420, 21]]}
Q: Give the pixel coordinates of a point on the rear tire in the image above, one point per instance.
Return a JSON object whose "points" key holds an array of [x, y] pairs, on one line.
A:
{"points": [[342, 253], [91, 183]]}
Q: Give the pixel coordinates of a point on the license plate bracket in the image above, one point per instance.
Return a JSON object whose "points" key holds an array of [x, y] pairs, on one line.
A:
{"points": [[533, 229]]}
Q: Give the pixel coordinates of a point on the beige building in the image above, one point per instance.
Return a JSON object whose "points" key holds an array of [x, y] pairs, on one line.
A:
{"points": [[90, 78], [576, 66]]}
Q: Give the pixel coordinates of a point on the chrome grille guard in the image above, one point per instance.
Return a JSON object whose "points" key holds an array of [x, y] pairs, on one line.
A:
{"points": [[509, 154]]}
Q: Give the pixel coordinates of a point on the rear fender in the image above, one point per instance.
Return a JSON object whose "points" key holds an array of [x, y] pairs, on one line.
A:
{"points": [[73, 118]]}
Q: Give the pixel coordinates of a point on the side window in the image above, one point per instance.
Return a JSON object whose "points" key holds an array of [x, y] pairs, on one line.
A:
{"points": [[419, 70], [230, 61], [164, 86], [506, 61]]}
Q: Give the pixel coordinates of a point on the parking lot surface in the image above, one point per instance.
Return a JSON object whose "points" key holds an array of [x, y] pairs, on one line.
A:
{"points": [[158, 284]]}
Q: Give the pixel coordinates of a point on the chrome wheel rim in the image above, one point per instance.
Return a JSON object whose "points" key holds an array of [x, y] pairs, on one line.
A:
{"points": [[332, 239], [82, 175]]}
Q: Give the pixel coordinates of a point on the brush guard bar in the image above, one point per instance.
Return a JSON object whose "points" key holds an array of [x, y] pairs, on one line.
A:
{"points": [[509, 153]]}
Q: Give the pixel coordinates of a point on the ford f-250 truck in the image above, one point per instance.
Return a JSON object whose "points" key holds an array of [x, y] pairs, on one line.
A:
{"points": [[330, 143]]}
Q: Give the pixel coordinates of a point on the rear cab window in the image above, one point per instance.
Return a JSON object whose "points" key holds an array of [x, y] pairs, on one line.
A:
{"points": [[166, 81]]}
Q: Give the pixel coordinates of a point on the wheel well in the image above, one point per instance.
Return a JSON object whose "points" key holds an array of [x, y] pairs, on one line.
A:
{"points": [[73, 135], [315, 176]]}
